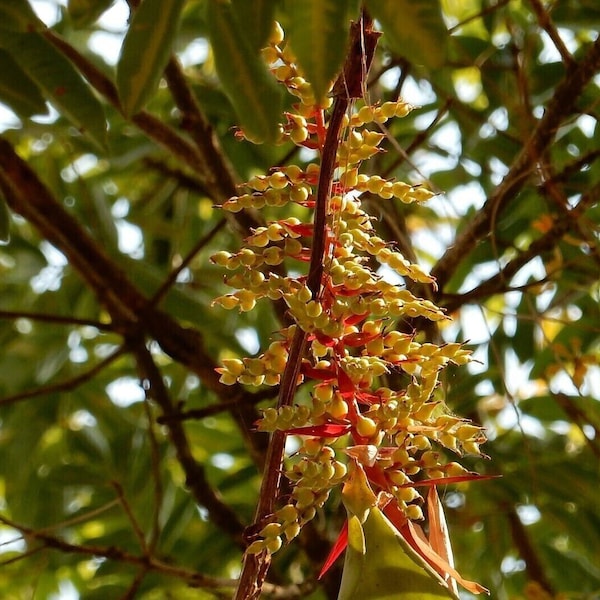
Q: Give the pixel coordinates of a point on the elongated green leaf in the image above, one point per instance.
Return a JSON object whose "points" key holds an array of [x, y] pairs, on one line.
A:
{"points": [[17, 90], [389, 569], [59, 81], [17, 15], [146, 51], [85, 12], [318, 34], [246, 80], [4, 222], [256, 19], [415, 30]]}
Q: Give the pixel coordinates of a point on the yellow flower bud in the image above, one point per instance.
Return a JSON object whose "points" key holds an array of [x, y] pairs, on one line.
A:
{"points": [[366, 427], [278, 180], [287, 513], [256, 547], [414, 512], [271, 530], [277, 35], [291, 531], [366, 114], [298, 135], [273, 544]]}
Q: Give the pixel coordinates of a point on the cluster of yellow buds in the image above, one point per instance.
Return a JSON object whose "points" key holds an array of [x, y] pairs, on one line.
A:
{"points": [[397, 437]]}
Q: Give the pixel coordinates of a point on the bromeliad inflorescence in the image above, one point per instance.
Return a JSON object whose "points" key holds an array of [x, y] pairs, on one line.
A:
{"points": [[378, 443]]}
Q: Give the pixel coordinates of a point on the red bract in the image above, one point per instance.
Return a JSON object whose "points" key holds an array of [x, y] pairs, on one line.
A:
{"points": [[327, 430], [354, 340], [367, 398], [302, 229], [319, 374], [336, 550], [414, 535]]}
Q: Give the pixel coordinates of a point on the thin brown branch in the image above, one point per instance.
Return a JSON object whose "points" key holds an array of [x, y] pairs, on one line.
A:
{"points": [[131, 592], [419, 139], [64, 386], [216, 170], [172, 278], [219, 513], [181, 176], [220, 587], [482, 13], [499, 282], [156, 476], [560, 106], [137, 530], [535, 569], [572, 168], [545, 22], [129, 309], [579, 417], [115, 554], [59, 319]]}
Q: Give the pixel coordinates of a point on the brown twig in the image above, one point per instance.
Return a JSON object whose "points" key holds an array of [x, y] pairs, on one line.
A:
{"points": [[498, 283], [535, 569], [131, 592], [129, 309], [419, 139], [216, 170], [579, 417], [547, 25], [59, 319], [172, 278], [64, 386], [482, 13], [137, 530], [118, 555], [219, 513], [156, 476], [219, 586], [561, 105]]}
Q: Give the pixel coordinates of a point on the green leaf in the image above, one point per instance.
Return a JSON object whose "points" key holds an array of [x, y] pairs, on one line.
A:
{"points": [[17, 15], [256, 20], [318, 33], [145, 52], [415, 30], [17, 90], [86, 12], [523, 340], [246, 80], [4, 222], [59, 81], [389, 569]]}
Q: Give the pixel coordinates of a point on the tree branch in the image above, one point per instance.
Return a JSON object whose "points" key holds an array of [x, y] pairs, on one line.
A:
{"points": [[113, 553], [64, 386], [499, 282], [48, 318], [129, 309], [204, 157], [535, 569], [561, 105], [219, 513]]}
